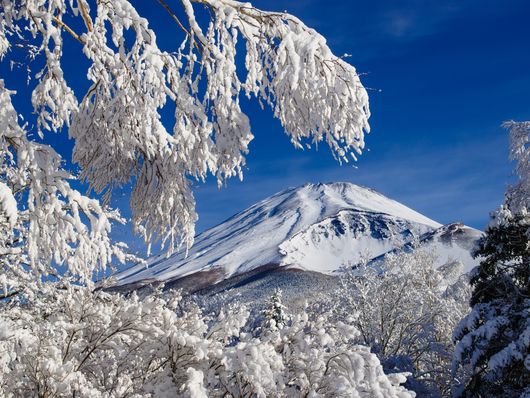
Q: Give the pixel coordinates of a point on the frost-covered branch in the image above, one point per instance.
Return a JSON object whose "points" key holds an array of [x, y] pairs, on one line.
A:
{"points": [[117, 127], [44, 222]]}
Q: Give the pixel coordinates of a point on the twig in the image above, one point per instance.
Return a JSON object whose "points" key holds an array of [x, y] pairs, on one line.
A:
{"points": [[164, 4], [68, 29]]}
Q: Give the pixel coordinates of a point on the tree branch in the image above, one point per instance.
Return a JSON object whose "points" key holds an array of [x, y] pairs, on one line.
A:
{"points": [[175, 18], [68, 29]]}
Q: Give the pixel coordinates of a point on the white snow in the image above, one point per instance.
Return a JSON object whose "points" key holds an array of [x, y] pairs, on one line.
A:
{"points": [[254, 237], [8, 204], [345, 238], [453, 242]]}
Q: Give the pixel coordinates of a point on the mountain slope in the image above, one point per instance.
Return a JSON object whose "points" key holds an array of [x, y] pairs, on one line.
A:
{"points": [[316, 227], [345, 238], [453, 242]]}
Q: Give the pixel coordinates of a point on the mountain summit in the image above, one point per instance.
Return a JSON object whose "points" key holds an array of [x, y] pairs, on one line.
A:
{"points": [[315, 227]]}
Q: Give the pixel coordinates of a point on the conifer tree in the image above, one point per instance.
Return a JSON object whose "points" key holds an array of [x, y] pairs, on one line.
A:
{"points": [[494, 339], [275, 312]]}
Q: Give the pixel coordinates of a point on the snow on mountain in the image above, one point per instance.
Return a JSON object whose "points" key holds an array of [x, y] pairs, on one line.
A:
{"points": [[315, 227], [453, 242], [344, 238]]}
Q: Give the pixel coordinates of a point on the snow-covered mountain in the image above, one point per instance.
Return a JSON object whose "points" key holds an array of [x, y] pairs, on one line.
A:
{"points": [[453, 242], [315, 227]]}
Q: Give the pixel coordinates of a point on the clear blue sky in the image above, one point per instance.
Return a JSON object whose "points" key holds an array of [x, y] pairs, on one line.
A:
{"points": [[443, 76]]}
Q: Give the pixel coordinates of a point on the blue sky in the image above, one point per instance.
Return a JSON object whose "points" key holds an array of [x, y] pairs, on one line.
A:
{"points": [[443, 76]]}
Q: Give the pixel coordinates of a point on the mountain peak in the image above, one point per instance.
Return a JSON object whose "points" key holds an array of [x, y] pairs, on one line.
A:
{"points": [[292, 228], [335, 196]]}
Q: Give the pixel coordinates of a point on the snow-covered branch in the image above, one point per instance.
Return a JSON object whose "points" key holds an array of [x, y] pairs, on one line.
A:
{"points": [[117, 127], [517, 196], [49, 224]]}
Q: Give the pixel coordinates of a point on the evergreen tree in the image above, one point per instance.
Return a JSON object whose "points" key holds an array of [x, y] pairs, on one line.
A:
{"points": [[494, 339], [275, 312]]}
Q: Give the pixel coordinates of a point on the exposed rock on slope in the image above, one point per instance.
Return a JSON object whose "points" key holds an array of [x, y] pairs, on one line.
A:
{"points": [[315, 227]]}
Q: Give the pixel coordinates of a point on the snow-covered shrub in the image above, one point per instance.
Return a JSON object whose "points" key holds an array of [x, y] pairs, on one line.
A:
{"points": [[405, 310], [76, 342], [322, 360]]}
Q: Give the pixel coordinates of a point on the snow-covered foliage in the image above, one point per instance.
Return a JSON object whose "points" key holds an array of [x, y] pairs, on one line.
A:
{"points": [[44, 222], [116, 124], [405, 310], [493, 348], [493, 341], [274, 314], [76, 342]]}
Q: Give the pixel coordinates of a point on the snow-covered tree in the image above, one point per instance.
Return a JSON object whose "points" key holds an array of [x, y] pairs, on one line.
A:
{"points": [[405, 310], [75, 342], [116, 123], [44, 222], [518, 195], [494, 339], [275, 313]]}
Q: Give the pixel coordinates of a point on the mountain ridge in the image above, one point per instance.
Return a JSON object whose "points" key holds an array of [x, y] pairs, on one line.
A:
{"points": [[285, 228]]}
